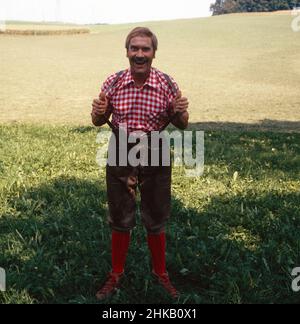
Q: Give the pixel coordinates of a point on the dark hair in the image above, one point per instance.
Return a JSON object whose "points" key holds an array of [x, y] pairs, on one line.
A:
{"points": [[142, 31]]}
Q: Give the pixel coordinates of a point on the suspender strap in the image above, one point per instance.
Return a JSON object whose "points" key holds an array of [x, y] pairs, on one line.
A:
{"points": [[170, 83], [119, 74], [172, 86]]}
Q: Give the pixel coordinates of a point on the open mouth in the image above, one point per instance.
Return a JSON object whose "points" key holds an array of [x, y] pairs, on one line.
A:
{"points": [[140, 62]]}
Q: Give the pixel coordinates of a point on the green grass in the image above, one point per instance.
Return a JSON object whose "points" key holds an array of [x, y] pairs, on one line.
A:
{"points": [[234, 232], [233, 236]]}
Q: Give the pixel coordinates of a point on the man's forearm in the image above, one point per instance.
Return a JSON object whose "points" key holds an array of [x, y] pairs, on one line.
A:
{"points": [[98, 120], [181, 120]]}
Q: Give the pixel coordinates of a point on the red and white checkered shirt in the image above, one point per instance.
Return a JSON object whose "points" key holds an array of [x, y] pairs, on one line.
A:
{"points": [[140, 109]]}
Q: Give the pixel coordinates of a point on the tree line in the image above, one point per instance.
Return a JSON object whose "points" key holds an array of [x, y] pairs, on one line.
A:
{"points": [[228, 6]]}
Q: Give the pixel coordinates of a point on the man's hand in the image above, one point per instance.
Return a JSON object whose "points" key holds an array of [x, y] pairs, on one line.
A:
{"points": [[180, 104], [100, 105]]}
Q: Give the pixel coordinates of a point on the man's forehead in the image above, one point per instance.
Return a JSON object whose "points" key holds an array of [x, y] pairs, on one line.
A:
{"points": [[141, 41]]}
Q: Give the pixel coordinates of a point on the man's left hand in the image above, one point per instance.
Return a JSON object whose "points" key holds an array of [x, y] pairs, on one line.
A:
{"points": [[180, 104]]}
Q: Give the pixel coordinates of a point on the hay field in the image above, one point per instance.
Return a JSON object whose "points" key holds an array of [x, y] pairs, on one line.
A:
{"points": [[48, 29], [16, 25], [236, 69]]}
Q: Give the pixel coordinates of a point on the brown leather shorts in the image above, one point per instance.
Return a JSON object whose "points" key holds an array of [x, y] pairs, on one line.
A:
{"points": [[154, 184]]}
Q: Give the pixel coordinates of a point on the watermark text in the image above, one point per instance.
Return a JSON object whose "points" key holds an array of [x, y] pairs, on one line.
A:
{"points": [[296, 280], [152, 149], [2, 280], [295, 25]]}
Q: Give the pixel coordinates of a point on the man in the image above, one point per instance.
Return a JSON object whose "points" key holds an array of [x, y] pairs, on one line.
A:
{"points": [[144, 99]]}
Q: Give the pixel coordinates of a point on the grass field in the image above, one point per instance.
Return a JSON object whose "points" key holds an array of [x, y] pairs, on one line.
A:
{"points": [[236, 68], [234, 232], [230, 240]]}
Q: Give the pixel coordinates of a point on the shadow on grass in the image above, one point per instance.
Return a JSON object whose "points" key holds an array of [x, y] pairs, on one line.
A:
{"points": [[83, 129], [266, 125], [58, 247], [58, 240], [240, 249]]}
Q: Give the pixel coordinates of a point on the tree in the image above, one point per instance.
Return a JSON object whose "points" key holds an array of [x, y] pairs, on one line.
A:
{"points": [[228, 6]]}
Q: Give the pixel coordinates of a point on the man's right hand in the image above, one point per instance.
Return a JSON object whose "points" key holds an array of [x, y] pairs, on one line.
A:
{"points": [[100, 105]]}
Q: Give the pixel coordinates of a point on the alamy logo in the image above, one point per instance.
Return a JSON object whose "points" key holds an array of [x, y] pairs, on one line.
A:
{"points": [[296, 21], [296, 281], [152, 149], [2, 280]]}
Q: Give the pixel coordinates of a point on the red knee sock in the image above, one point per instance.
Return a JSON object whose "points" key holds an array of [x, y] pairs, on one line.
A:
{"points": [[119, 244], [157, 246]]}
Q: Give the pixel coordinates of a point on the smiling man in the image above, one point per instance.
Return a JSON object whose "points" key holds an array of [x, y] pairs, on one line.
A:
{"points": [[145, 99]]}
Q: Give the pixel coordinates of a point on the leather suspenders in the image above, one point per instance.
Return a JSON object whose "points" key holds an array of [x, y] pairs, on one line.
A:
{"points": [[108, 122], [171, 84]]}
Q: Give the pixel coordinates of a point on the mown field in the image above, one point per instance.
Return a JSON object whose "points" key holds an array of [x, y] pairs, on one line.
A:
{"points": [[236, 68], [234, 232]]}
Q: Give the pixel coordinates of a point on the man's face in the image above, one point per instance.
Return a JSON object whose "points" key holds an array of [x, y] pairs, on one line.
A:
{"points": [[140, 55]]}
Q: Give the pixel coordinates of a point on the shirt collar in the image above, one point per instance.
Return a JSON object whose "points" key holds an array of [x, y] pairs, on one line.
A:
{"points": [[151, 80]]}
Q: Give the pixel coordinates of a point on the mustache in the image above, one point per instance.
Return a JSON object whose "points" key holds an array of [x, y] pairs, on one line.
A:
{"points": [[140, 60]]}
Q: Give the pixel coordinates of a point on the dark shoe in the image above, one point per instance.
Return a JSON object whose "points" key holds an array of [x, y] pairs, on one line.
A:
{"points": [[110, 286], [164, 281]]}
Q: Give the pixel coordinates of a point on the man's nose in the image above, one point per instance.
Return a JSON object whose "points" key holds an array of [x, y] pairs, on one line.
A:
{"points": [[140, 53]]}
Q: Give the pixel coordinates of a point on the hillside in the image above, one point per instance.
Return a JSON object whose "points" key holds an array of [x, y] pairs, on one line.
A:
{"points": [[236, 69]]}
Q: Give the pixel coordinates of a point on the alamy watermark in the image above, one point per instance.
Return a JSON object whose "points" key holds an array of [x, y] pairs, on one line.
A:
{"points": [[296, 21], [152, 149], [2, 280], [296, 281]]}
